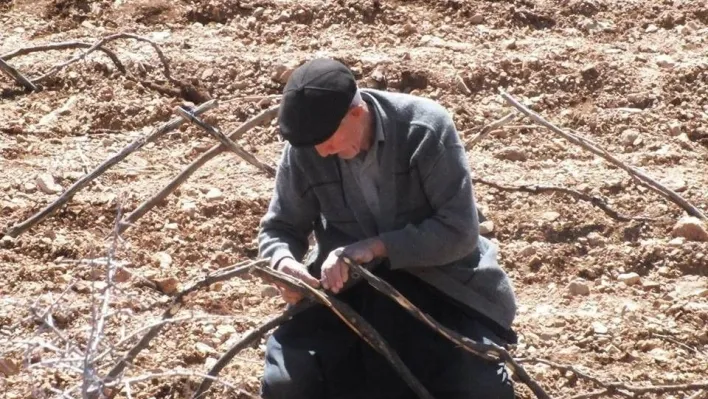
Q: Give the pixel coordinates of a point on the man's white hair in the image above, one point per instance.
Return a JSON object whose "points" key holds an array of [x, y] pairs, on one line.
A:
{"points": [[357, 100]]}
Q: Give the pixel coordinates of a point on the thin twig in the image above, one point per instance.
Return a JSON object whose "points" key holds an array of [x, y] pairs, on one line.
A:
{"points": [[352, 319], [597, 150], [177, 303], [489, 352], [488, 129], [245, 155], [63, 46], [679, 343], [17, 76], [246, 341], [141, 210], [20, 228], [103, 41], [536, 189]]}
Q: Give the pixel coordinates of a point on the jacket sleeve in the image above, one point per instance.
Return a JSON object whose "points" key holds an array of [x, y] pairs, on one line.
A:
{"points": [[289, 220], [452, 231]]}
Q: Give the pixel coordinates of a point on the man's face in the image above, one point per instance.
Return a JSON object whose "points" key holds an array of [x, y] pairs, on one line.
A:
{"points": [[347, 140]]}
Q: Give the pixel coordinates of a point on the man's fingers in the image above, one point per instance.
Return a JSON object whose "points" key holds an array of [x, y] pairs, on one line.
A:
{"points": [[343, 272]]}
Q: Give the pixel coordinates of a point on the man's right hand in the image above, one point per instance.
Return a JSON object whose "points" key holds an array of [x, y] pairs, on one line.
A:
{"points": [[295, 269]]}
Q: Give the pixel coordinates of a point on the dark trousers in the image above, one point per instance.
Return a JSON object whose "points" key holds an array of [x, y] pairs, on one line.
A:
{"points": [[316, 356]]}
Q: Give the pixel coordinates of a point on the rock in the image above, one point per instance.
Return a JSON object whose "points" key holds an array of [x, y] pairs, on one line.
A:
{"points": [[29, 188], [169, 285], [629, 278], [171, 226], [629, 137], [204, 349], [589, 72], [269, 291], [664, 61], [677, 242], [579, 288], [121, 275], [282, 72], [599, 328], [664, 271], [207, 74], [461, 85], [7, 242], [550, 216], [214, 194], [163, 258], [676, 184], [511, 153], [486, 227], [8, 367], [690, 228], [674, 128], [189, 208], [510, 44], [225, 331], [528, 251], [45, 182], [651, 28], [700, 293], [595, 239], [477, 19]]}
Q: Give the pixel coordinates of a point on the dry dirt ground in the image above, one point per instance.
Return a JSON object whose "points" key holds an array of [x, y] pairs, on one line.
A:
{"points": [[630, 75]]}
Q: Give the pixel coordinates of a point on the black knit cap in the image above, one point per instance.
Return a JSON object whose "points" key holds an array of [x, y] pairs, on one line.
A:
{"points": [[315, 99]]}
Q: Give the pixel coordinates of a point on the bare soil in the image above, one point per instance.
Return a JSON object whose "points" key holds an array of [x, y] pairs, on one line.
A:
{"points": [[631, 76]]}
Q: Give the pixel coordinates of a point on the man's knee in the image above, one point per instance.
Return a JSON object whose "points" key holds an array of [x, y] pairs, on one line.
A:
{"points": [[290, 373]]}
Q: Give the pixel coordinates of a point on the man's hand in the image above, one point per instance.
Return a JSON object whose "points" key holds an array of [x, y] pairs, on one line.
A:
{"points": [[335, 272], [295, 269]]}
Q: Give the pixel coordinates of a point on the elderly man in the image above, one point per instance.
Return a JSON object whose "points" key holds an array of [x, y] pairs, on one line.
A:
{"points": [[382, 177]]}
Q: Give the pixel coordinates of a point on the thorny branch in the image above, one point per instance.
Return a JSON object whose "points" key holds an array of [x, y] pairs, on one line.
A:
{"points": [[17, 76], [536, 189], [601, 152], [612, 388], [173, 124], [352, 319], [165, 65], [141, 210], [63, 46], [489, 352], [175, 306]]}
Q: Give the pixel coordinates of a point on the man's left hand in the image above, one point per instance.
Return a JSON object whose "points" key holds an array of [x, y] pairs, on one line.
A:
{"points": [[335, 271]]}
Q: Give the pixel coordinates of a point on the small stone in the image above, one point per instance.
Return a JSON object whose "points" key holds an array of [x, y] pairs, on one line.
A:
{"points": [[578, 288], [629, 136], [63, 279], [461, 85], [171, 226], [664, 271], [269, 291], [29, 188], [169, 285], [477, 19], [664, 61], [486, 227], [207, 74], [7, 242], [510, 44], [528, 251], [204, 349], [214, 194], [599, 328], [282, 72], [595, 239], [651, 28], [511, 153], [45, 182], [163, 258], [589, 72], [121, 275], [700, 293], [8, 367], [225, 331], [674, 128], [690, 228], [629, 278], [189, 208], [550, 216]]}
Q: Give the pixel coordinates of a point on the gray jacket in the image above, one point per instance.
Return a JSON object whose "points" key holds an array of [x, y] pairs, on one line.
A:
{"points": [[430, 224]]}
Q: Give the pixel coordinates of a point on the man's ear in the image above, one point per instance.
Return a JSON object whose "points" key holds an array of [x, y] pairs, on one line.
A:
{"points": [[357, 111]]}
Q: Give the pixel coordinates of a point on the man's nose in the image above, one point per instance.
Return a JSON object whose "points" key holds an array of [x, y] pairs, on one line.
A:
{"points": [[324, 150]]}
